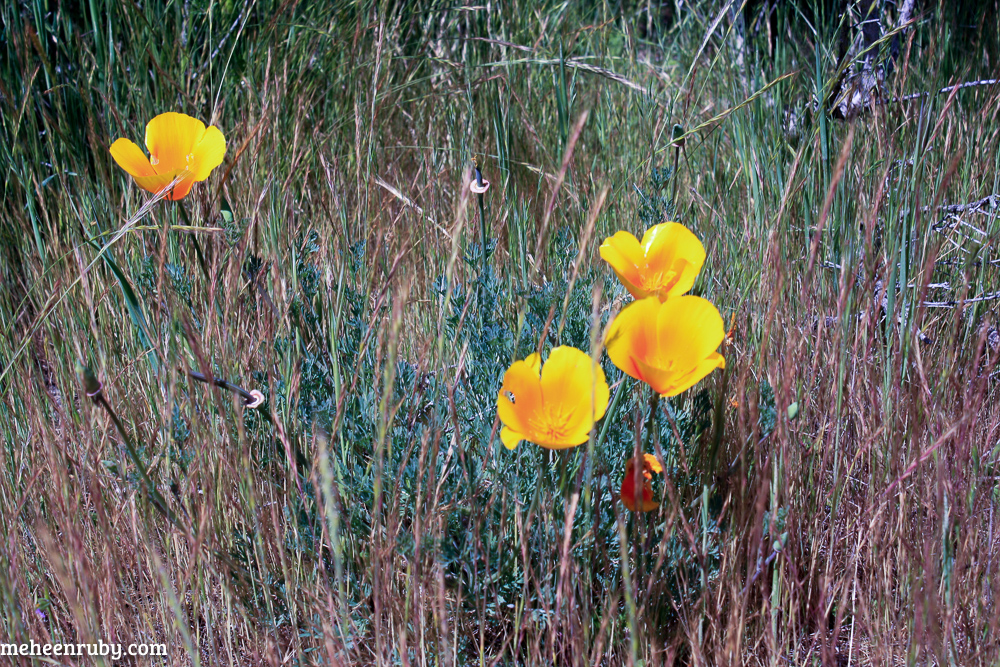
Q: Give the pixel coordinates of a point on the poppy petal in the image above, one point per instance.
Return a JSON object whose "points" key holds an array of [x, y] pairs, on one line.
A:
{"points": [[131, 158], [688, 328], [628, 486], [673, 249], [510, 438], [170, 138], [520, 395], [560, 416], [648, 504], [574, 391], [660, 379], [208, 154], [628, 499], [652, 463], [630, 338], [534, 361], [626, 257], [181, 190], [696, 375], [157, 182], [670, 345], [645, 503]]}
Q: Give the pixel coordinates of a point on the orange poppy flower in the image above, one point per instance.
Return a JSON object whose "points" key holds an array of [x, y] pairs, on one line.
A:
{"points": [[665, 263], [180, 147], [646, 502], [555, 405], [671, 345]]}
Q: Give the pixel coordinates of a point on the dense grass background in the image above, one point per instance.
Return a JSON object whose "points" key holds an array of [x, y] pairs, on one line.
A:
{"points": [[829, 499]]}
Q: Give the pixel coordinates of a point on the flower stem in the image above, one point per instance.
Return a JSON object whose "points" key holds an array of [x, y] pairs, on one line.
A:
{"points": [[654, 404], [194, 241], [678, 143], [482, 217], [640, 551], [482, 240], [630, 605], [673, 177], [94, 390], [609, 416], [248, 398]]}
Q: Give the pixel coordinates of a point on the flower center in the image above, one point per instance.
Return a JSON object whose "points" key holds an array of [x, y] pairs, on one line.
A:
{"points": [[153, 160], [660, 280], [553, 423]]}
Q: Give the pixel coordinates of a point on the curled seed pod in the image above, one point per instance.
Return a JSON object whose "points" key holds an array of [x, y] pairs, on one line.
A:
{"points": [[256, 401]]}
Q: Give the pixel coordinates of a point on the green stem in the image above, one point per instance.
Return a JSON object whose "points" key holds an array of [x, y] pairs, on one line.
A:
{"points": [[676, 137], [673, 177], [654, 404], [158, 501], [630, 606], [482, 242], [194, 242], [93, 388], [223, 384], [609, 416], [640, 551]]}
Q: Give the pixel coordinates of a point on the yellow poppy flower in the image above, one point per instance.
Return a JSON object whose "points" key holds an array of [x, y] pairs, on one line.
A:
{"points": [[646, 502], [665, 263], [180, 147], [671, 345], [555, 405]]}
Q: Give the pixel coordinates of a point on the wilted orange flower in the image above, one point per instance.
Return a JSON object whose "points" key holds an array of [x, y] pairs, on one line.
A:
{"points": [[646, 502], [671, 345], [180, 147], [665, 263], [555, 405]]}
